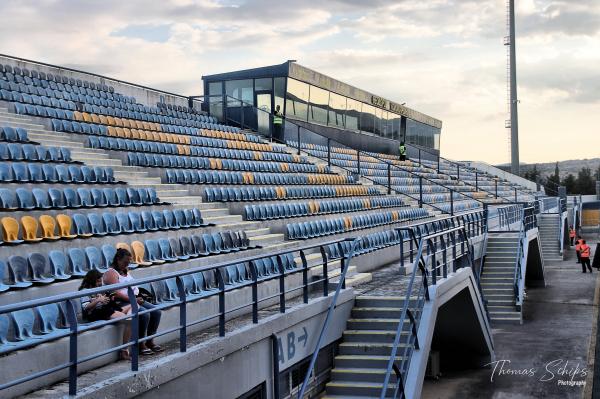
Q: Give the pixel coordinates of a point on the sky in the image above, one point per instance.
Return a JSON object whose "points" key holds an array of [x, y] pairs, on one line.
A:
{"points": [[445, 58]]}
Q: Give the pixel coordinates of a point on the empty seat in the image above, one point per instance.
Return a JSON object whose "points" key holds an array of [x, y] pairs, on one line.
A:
{"points": [[10, 230], [40, 272]]}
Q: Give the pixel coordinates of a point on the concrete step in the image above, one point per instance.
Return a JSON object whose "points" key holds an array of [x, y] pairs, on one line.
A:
{"points": [[371, 335], [366, 348], [361, 389], [358, 374], [374, 324], [366, 301], [366, 361], [257, 232], [369, 312], [267, 239], [223, 219]]}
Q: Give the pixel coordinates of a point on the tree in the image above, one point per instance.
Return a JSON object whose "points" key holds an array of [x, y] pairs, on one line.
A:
{"points": [[532, 174], [585, 183], [570, 183], [597, 173], [553, 181]]}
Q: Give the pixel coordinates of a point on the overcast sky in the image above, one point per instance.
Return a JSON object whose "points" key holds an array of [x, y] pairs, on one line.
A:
{"points": [[442, 57]]}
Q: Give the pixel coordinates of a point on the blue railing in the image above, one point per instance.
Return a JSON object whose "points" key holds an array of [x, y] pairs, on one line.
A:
{"points": [[69, 302], [433, 263], [341, 284], [528, 221]]}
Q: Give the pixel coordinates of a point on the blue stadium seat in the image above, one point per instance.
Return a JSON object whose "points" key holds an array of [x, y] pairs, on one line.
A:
{"points": [[108, 254], [39, 269], [77, 262], [18, 272], [153, 252], [49, 317], [94, 259]]}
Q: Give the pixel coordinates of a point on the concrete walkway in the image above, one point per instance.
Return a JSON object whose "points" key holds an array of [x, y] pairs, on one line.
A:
{"points": [[550, 349]]}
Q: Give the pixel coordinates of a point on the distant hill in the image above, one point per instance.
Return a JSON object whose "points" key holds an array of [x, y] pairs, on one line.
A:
{"points": [[565, 167]]}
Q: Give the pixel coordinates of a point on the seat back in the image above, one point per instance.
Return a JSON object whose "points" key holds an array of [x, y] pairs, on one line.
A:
{"points": [[10, 229], [64, 225], [30, 228]]}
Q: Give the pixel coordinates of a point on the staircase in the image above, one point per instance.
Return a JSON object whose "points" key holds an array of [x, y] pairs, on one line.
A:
{"points": [[497, 279], [365, 351], [548, 226]]}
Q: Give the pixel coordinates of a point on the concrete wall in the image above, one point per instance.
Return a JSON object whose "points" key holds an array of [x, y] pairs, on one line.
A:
{"points": [[503, 174], [228, 367]]}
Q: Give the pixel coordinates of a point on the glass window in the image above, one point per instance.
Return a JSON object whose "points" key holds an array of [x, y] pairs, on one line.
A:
{"points": [[279, 92], [263, 84], [353, 109], [296, 105], [337, 109], [317, 111], [240, 89], [394, 123], [215, 88], [367, 118]]}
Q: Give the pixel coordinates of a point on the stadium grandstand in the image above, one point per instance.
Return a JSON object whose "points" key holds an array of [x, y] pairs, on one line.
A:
{"points": [[292, 254]]}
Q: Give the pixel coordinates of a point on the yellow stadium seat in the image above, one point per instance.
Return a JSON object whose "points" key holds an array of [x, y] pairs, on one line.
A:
{"points": [[77, 116], [64, 226], [123, 245], [48, 227], [138, 252], [30, 229], [10, 230], [118, 121], [86, 117]]}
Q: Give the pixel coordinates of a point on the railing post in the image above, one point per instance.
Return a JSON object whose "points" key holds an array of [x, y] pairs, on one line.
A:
{"points": [[325, 274], [516, 197], [298, 131], [496, 186], [451, 203], [389, 167], [135, 330], [329, 152], [358, 161], [419, 157], [242, 113], [420, 191], [281, 285], [304, 277], [457, 172], [72, 320], [182, 315], [476, 181], [275, 349], [221, 283], [254, 274], [438, 165]]}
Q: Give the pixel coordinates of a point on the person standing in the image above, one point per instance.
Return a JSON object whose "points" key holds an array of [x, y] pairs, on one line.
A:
{"points": [[578, 248], [585, 252], [278, 123], [572, 234], [402, 151]]}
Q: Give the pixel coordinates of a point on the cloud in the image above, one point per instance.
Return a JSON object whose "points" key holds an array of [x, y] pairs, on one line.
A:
{"points": [[443, 57]]}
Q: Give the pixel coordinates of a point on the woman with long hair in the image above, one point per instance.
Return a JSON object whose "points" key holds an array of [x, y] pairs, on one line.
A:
{"points": [[103, 307], [119, 273]]}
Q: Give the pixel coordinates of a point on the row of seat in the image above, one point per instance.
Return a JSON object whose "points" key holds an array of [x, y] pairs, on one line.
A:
{"points": [[55, 198], [184, 176], [222, 194], [37, 268], [31, 152], [31, 95], [16, 71], [311, 208], [183, 161], [366, 244], [461, 206], [320, 228], [8, 133], [96, 224], [55, 173], [210, 150], [21, 328]]}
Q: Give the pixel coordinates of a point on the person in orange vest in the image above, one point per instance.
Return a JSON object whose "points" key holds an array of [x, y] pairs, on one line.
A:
{"points": [[572, 234], [578, 248], [585, 252]]}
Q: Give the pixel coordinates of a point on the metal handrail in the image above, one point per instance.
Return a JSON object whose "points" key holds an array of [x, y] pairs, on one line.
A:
{"points": [[420, 263], [390, 165], [527, 222], [341, 284], [74, 327], [416, 147]]}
